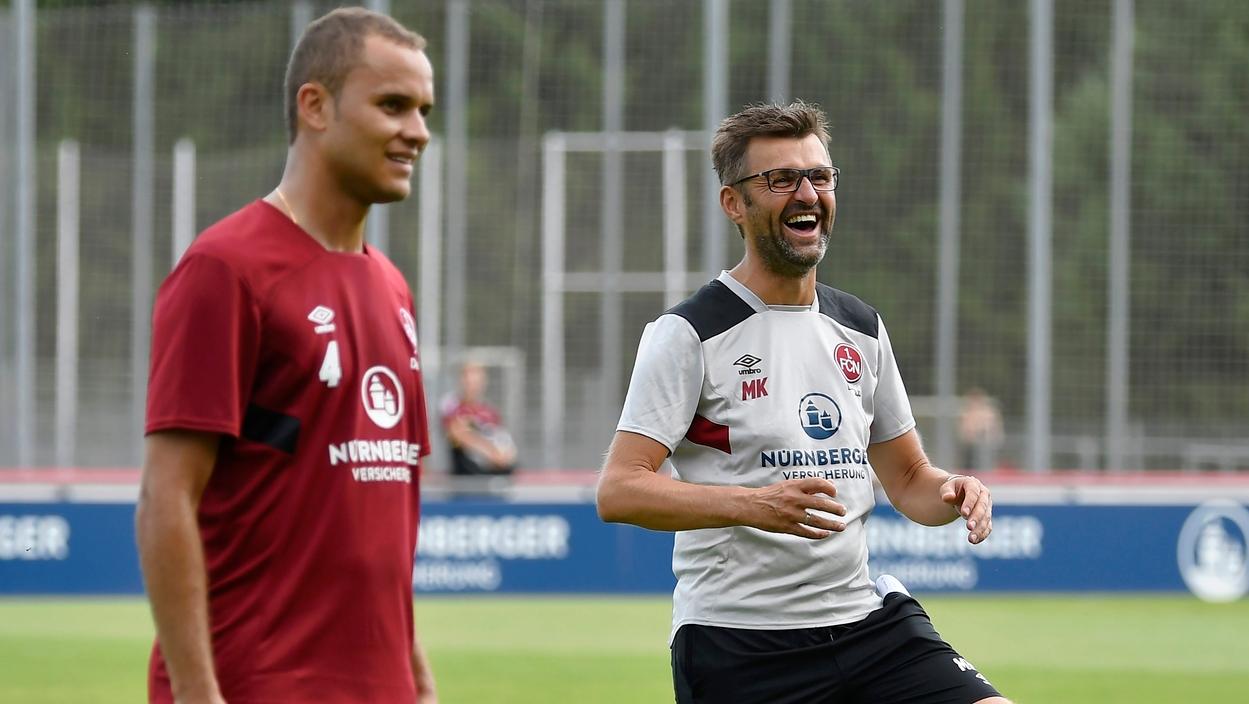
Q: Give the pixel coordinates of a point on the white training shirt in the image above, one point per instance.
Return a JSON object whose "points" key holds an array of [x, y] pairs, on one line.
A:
{"points": [[746, 394]]}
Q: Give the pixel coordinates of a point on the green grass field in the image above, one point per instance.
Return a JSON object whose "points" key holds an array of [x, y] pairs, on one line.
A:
{"points": [[1068, 650]]}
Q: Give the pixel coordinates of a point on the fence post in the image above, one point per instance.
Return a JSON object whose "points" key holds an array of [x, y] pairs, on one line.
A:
{"points": [[456, 208], [552, 299], [1041, 143], [1120, 253], [142, 184], [430, 282], [611, 315], [183, 198], [780, 38], [24, 264], [950, 185], [68, 206], [715, 99]]}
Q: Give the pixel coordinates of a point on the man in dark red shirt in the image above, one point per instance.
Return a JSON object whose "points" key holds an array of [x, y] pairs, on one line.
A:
{"points": [[480, 444], [286, 420]]}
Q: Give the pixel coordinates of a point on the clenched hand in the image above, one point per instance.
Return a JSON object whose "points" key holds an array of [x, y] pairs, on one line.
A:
{"points": [[798, 507]]}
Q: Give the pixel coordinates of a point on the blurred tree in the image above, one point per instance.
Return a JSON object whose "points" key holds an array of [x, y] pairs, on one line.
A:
{"points": [[535, 66]]}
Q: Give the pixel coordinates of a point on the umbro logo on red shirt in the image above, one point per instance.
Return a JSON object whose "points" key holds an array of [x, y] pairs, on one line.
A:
{"points": [[324, 319]]}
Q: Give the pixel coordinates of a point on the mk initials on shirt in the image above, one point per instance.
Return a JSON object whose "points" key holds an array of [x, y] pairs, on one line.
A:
{"points": [[754, 388]]}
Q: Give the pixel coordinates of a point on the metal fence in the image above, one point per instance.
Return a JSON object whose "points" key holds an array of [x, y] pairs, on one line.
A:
{"points": [[1045, 200]]}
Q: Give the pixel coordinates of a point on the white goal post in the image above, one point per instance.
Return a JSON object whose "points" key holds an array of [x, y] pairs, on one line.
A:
{"points": [[674, 281]]}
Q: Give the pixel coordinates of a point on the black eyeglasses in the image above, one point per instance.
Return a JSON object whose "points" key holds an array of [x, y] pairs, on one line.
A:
{"points": [[822, 178]]}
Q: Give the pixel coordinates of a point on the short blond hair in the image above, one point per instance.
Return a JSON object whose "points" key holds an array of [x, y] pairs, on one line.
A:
{"points": [[330, 47]]}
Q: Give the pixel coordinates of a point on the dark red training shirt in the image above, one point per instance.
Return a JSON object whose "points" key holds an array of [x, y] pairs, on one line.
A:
{"points": [[305, 361]]}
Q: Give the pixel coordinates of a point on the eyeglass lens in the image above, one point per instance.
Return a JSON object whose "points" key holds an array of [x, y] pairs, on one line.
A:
{"points": [[823, 178]]}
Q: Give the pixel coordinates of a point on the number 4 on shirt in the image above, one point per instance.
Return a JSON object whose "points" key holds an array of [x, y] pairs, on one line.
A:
{"points": [[331, 370]]}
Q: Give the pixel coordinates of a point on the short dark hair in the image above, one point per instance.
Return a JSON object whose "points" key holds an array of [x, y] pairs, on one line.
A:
{"points": [[797, 120], [330, 47]]}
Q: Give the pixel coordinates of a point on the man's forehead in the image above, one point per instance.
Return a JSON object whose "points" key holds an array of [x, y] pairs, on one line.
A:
{"points": [[389, 61], [765, 153]]}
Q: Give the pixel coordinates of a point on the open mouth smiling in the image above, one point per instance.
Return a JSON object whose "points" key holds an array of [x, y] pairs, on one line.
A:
{"points": [[804, 223]]}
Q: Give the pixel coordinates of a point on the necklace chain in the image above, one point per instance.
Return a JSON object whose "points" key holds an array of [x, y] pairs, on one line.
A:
{"points": [[289, 210]]}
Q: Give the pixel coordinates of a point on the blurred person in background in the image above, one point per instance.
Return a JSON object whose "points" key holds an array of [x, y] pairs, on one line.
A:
{"points": [[979, 430], [774, 397], [480, 444], [279, 500]]}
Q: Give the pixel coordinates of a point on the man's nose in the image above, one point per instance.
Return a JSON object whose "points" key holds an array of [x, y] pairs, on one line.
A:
{"points": [[416, 131], [806, 192]]}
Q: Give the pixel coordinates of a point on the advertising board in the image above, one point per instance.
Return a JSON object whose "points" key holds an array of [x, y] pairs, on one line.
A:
{"points": [[500, 547]]}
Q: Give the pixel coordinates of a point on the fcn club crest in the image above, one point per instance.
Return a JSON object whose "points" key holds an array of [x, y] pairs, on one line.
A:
{"points": [[409, 327], [849, 361]]}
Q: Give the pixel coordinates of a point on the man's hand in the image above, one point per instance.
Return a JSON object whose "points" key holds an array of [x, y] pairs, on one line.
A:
{"points": [[425, 691], [176, 468], [422, 674], [971, 499], [631, 491], [798, 507]]}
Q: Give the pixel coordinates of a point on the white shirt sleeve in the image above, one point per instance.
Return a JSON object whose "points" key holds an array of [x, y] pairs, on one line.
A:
{"points": [[667, 382], [892, 408]]}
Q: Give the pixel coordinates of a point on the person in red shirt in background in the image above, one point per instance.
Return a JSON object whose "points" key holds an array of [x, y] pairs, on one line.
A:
{"points": [[286, 422], [480, 444]]}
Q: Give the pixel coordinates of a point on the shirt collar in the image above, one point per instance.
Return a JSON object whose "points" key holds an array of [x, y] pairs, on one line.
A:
{"points": [[757, 303]]}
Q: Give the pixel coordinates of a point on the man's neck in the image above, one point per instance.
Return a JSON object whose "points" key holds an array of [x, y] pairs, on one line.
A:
{"points": [[316, 203], [772, 288]]}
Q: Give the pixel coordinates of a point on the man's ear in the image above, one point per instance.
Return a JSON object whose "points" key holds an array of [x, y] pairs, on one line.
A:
{"points": [[733, 203], [315, 103]]}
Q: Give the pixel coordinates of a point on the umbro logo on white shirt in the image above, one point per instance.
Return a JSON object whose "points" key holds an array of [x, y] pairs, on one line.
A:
{"points": [[748, 362]]}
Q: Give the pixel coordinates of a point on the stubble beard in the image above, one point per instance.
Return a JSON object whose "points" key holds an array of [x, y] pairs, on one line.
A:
{"points": [[370, 189], [782, 258], [364, 181]]}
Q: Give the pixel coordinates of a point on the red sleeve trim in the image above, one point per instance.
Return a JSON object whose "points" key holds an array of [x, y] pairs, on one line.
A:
{"points": [[199, 425], [709, 434]]}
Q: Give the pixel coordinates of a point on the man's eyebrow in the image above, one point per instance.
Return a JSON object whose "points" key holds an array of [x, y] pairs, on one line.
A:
{"points": [[395, 95]]}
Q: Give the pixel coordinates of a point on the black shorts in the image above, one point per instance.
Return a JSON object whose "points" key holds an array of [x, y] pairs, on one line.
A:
{"points": [[894, 656]]}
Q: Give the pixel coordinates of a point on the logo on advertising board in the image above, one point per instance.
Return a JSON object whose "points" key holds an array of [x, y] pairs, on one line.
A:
{"points": [[34, 537], [471, 552], [1213, 551], [849, 361], [940, 558]]}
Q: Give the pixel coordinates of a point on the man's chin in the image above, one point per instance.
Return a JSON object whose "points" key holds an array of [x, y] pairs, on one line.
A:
{"points": [[390, 191], [383, 197], [807, 255], [795, 264]]}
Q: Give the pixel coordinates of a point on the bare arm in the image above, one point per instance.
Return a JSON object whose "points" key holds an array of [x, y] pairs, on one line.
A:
{"points": [[423, 674], [176, 468], [926, 494], [631, 491], [461, 433]]}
